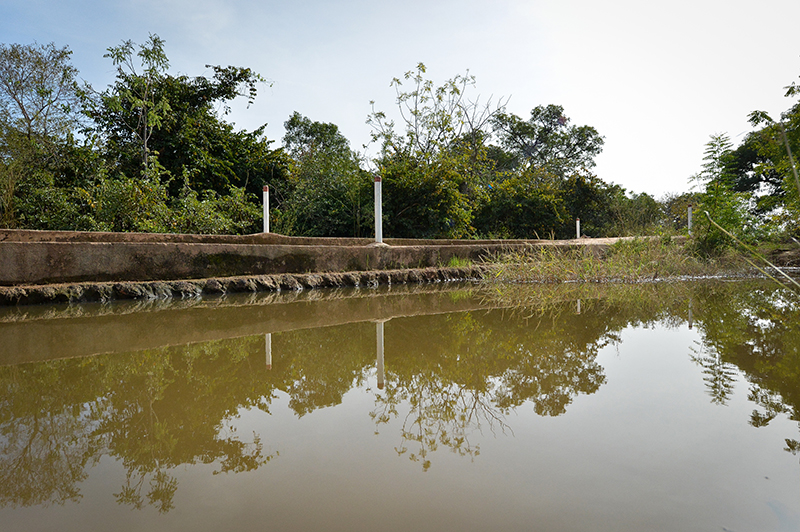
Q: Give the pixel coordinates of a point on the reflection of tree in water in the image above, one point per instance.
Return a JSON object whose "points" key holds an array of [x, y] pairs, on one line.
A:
{"points": [[718, 375], [755, 326], [153, 410], [45, 441], [320, 365], [447, 378], [437, 414], [455, 374]]}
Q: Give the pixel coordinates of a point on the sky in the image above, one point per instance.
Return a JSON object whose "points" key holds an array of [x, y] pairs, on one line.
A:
{"points": [[656, 79]]}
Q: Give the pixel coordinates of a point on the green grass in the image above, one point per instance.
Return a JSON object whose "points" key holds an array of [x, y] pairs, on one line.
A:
{"points": [[634, 260], [458, 262]]}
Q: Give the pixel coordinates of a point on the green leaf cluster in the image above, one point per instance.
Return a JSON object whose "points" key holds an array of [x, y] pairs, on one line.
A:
{"points": [[151, 152]]}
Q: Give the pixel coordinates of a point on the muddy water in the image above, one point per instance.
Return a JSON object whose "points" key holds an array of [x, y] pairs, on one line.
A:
{"points": [[650, 407]]}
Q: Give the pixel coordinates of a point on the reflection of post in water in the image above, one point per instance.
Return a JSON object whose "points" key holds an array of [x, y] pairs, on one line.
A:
{"points": [[268, 349], [379, 357], [690, 313]]}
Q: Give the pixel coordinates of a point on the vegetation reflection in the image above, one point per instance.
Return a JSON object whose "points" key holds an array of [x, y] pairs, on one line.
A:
{"points": [[755, 330], [481, 365], [444, 378]]}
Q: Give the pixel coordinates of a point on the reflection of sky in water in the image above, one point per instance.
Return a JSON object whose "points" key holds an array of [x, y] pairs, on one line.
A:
{"points": [[648, 450]]}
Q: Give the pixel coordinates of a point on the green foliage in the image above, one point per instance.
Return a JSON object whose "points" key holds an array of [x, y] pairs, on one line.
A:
{"points": [[38, 90], [633, 260], [522, 207], [38, 111], [327, 191], [675, 210], [434, 170], [547, 141], [590, 199], [726, 207], [232, 213], [423, 200], [151, 113], [435, 118], [777, 143], [453, 182], [133, 102], [155, 157], [634, 215]]}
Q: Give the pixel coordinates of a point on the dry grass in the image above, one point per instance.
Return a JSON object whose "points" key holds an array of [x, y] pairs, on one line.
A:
{"points": [[627, 261]]}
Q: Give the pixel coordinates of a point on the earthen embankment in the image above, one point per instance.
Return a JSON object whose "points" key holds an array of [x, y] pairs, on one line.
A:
{"points": [[68, 266]]}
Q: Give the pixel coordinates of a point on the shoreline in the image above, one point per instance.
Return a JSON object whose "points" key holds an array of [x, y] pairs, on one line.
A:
{"points": [[88, 292]]}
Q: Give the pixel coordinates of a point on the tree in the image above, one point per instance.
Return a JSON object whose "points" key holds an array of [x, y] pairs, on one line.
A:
{"points": [[38, 90], [329, 194], [435, 118], [591, 199], [175, 118], [522, 206], [547, 141], [722, 204], [133, 99], [777, 144], [39, 112], [634, 215], [435, 171]]}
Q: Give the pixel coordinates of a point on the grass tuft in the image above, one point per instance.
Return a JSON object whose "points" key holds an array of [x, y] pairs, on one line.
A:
{"points": [[634, 260]]}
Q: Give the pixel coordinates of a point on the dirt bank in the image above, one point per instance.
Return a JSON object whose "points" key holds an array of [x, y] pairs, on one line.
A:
{"points": [[183, 289]]}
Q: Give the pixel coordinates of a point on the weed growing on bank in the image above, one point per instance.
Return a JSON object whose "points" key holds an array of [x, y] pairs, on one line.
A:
{"points": [[634, 260]]}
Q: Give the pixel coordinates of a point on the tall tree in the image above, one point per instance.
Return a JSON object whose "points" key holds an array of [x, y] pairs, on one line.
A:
{"points": [[38, 89], [170, 125], [133, 98], [435, 168], [718, 200], [329, 193], [546, 140], [39, 110], [779, 144]]}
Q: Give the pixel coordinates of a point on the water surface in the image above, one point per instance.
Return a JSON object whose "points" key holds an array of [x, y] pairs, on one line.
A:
{"points": [[650, 407]]}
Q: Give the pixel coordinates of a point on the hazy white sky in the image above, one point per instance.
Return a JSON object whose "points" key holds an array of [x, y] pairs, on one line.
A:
{"points": [[654, 78]]}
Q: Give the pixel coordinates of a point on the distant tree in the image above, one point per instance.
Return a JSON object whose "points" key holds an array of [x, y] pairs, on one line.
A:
{"points": [[634, 214], [718, 199], [149, 116], [435, 167], [38, 90], [522, 206], [328, 193], [434, 118], [675, 209], [39, 112], [778, 146], [591, 199], [131, 109], [547, 141]]}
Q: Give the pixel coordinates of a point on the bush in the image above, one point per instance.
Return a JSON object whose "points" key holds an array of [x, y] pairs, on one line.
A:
{"points": [[518, 208]]}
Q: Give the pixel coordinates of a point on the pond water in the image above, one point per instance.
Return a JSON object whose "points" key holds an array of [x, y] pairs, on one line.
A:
{"points": [[665, 406]]}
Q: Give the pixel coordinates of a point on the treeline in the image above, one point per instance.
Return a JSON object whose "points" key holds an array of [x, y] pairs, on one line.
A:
{"points": [[153, 152], [749, 193]]}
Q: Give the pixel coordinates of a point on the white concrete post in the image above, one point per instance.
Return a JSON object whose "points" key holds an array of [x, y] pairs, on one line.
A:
{"points": [[379, 362], [268, 349], [266, 209], [579, 306], [378, 210], [689, 218], [578, 227]]}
